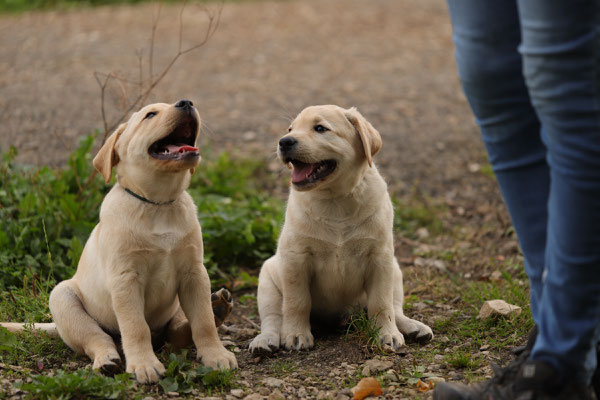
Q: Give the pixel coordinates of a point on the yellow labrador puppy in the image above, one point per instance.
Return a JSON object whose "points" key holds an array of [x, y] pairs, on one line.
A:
{"points": [[141, 271], [336, 248]]}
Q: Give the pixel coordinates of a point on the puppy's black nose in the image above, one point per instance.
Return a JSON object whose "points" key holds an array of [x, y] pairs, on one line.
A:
{"points": [[287, 143], [183, 103]]}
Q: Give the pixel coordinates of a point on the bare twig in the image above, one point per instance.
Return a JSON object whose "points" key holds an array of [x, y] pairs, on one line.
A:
{"points": [[147, 84]]}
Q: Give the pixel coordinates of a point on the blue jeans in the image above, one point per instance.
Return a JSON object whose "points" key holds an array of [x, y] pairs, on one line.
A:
{"points": [[531, 72]]}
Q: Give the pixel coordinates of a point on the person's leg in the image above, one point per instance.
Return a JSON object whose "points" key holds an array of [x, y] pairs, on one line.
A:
{"points": [[561, 64], [486, 36]]}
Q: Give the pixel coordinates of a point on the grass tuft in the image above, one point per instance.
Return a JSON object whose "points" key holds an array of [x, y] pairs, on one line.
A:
{"points": [[80, 384]]}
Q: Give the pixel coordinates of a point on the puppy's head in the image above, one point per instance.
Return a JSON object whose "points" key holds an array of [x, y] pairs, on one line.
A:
{"points": [[159, 137], [327, 144]]}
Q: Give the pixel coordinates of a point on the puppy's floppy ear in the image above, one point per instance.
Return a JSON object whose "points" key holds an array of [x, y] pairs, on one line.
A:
{"points": [[370, 138], [107, 157]]}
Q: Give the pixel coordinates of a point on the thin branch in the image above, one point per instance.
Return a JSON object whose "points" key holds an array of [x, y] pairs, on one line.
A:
{"points": [[146, 88]]}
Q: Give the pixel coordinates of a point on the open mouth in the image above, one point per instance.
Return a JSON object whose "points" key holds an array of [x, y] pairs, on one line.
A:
{"points": [[179, 144], [308, 173]]}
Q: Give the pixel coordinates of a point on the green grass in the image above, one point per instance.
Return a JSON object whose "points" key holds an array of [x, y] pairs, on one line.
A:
{"points": [[28, 5], [463, 326], [46, 216], [183, 375], [282, 368], [360, 324], [463, 359], [80, 384], [19, 6], [32, 349]]}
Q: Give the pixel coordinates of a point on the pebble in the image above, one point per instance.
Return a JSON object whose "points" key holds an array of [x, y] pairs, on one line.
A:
{"points": [[239, 393], [264, 391], [273, 382], [276, 395], [371, 367], [391, 375], [254, 396]]}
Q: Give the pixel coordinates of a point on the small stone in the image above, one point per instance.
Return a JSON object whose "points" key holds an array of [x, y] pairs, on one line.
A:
{"points": [[440, 265], [264, 391], [438, 358], [496, 276], [498, 307], [420, 262], [276, 395], [340, 396], [302, 393], [172, 394], [227, 343], [391, 375], [474, 167], [436, 379], [249, 135], [273, 382], [422, 233], [239, 393], [254, 396], [484, 347], [419, 306], [374, 366]]}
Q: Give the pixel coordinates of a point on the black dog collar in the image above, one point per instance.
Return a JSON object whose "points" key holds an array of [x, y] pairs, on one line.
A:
{"points": [[145, 200]]}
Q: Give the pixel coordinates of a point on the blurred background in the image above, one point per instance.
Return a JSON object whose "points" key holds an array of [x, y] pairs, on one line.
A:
{"points": [[265, 62]]}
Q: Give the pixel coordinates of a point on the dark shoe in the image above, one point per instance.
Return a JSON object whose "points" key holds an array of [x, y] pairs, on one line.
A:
{"points": [[517, 351], [596, 376], [534, 381]]}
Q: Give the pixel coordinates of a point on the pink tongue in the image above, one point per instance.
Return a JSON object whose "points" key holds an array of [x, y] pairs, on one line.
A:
{"points": [[180, 149], [301, 172]]}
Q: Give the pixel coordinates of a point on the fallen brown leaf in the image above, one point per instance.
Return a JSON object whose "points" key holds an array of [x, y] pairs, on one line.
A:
{"points": [[366, 387]]}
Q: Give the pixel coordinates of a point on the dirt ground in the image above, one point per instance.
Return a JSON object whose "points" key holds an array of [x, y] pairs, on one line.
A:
{"points": [[269, 59]]}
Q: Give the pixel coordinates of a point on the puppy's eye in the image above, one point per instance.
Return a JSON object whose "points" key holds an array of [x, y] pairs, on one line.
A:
{"points": [[150, 114], [290, 129], [320, 128]]}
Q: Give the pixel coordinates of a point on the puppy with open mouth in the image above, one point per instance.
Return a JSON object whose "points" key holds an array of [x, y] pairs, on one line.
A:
{"points": [[141, 272], [336, 249]]}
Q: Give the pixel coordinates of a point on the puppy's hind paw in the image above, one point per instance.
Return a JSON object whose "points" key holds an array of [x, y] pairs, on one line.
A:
{"points": [[108, 364], [265, 343]]}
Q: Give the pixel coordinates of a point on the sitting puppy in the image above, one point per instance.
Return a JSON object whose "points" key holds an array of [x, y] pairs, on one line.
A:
{"points": [[141, 270], [336, 248]]}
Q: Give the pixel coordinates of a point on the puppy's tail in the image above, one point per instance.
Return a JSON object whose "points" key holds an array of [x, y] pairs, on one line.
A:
{"points": [[48, 327]]}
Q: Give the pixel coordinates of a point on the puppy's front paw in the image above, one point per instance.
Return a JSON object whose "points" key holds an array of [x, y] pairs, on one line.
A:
{"points": [[391, 340], [146, 369], [298, 341], [217, 358], [264, 343]]}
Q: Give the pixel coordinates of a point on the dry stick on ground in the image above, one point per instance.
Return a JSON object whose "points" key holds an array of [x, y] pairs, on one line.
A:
{"points": [[145, 88]]}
